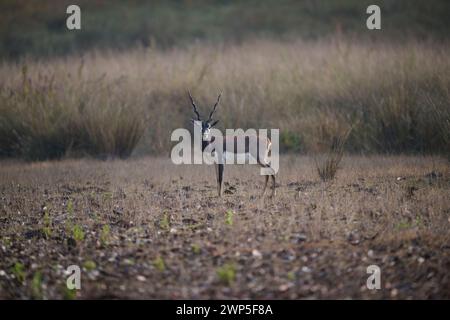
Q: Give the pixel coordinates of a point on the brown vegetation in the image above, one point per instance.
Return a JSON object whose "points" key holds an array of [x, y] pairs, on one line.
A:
{"points": [[103, 103]]}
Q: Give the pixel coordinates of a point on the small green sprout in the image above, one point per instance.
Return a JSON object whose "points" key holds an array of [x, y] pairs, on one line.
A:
{"points": [[107, 196], [47, 229], [419, 221], [165, 222], [104, 235], [405, 224], [159, 264], [195, 248], [78, 233], [19, 271], [229, 217], [69, 294], [36, 285], [89, 265], [291, 276], [70, 207], [227, 273]]}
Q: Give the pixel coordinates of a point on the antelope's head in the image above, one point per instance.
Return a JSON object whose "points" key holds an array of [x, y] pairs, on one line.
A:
{"points": [[206, 124]]}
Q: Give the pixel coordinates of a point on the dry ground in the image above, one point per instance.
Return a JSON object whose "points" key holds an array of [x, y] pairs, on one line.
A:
{"points": [[170, 236]]}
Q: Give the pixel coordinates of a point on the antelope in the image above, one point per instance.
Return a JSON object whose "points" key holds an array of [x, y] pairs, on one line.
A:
{"points": [[230, 146]]}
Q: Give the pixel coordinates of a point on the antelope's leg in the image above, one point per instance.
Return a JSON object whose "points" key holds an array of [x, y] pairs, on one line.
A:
{"points": [[264, 165], [265, 185], [216, 166], [219, 175], [273, 185]]}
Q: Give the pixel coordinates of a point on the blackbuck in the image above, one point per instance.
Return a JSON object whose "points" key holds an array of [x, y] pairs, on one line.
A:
{"points": [[250, 146]]}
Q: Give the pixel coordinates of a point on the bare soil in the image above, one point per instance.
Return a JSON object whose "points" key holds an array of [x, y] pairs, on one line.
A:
{"points": [[145, 228]]}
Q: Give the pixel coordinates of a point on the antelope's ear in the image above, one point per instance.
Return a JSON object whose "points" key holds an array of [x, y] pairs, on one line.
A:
{"points": [[214, 123]]}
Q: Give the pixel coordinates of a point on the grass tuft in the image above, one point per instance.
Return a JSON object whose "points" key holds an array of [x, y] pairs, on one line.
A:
{"points": [[328, 167]]}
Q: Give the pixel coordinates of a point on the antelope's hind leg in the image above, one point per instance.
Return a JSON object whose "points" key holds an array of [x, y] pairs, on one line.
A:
{"points": [[273, 185], [265, 185]]}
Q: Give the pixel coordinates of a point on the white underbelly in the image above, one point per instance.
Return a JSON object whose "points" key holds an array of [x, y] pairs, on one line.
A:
{"points": [[239, 158]]}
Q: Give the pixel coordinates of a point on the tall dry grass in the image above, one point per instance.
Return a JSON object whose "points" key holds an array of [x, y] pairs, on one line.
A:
{"points": [[105, 102]]}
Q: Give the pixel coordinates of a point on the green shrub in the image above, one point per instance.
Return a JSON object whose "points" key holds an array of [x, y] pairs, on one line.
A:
{"points": [[290, 142]]}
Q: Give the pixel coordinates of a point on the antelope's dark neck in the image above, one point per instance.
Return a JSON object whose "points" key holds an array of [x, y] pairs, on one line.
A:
{"points": [[206, 143]]}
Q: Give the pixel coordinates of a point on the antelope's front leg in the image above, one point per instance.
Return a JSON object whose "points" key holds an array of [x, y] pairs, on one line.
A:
{"points": [[219, 176]]}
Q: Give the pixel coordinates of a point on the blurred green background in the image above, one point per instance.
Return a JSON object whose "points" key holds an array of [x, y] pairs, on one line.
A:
{"points": [[37, 28]]}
